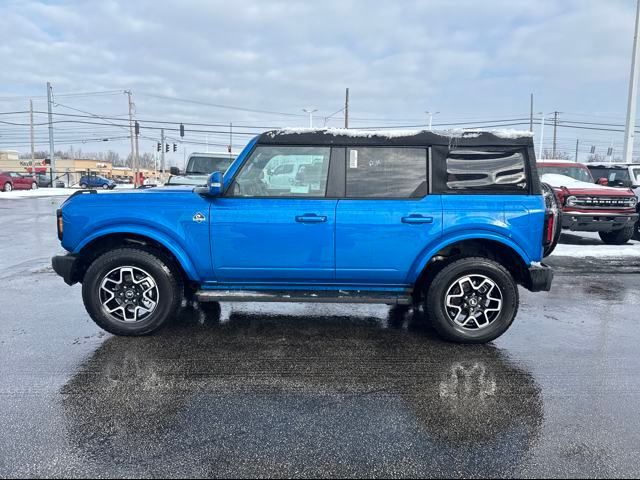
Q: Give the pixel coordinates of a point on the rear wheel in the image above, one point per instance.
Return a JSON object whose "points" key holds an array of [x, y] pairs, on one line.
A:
{"points": [[131, 291], [83, 185], [7, 187], [472, 300], [34, 186], [618, 237]]}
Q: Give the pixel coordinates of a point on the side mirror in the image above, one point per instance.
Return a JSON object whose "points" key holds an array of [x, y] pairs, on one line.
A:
{"points": [[174, 171], [214, 187], [603, 181]]}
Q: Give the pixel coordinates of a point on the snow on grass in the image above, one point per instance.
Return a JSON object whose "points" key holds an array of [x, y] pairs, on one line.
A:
{"points": [[40, 192]]}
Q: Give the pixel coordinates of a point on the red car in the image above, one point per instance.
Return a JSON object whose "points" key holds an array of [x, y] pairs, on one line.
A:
{"points": [[587, 206], [17, 181]]}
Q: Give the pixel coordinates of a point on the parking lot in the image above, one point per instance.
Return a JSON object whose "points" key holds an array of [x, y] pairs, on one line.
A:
{"points": [[307, 390]]}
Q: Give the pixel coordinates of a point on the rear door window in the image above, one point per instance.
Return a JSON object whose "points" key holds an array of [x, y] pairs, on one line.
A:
{"points": [[386, 172], [478, 170]]}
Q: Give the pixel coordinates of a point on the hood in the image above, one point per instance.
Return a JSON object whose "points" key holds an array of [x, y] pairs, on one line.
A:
{"points": [[193, 180], [582, 188]]}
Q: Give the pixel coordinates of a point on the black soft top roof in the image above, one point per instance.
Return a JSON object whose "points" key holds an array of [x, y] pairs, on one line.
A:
{"points": [[417, 138]]}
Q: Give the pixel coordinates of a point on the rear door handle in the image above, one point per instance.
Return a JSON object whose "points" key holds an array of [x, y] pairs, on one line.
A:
{"points": [[311, 218], [416, 218]]}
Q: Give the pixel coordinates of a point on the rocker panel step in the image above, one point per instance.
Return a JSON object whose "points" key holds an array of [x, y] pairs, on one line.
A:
{"points": [[339, 296]]}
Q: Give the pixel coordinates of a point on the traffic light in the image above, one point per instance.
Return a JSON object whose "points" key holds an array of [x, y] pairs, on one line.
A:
{"points": [[159, 146], [593, 149], [166, 147], [175, 147], [181, 130], [229, 148], [609, 151], [137, 128]]}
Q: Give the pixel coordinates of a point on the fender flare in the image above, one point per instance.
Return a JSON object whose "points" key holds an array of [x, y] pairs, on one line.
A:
{"points": [[443, 242], [165, 240]]}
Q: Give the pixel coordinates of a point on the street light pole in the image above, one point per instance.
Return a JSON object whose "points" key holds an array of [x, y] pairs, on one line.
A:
{"points": [[431, 114], [630, 127], [310, 112]]}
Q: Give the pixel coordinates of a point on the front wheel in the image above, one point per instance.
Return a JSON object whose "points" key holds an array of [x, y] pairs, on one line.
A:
{"points": [[105, 187], [7, 187], [131, 291], [636, 230], [472, 300], [618, 237], [83, 185]]}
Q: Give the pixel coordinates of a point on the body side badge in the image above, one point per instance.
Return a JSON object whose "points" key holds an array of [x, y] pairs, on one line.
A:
{"points": [[199, 218]]}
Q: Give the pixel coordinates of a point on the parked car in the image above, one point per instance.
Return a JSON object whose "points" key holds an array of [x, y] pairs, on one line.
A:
{"points": [[589, 207], [96, 181], [199, 167], [451, 221], [620, 175], [17, 181], [44, 180]]}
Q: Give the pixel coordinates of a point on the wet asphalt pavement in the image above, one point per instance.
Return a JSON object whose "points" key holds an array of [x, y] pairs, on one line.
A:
{"points": [[312, 390]]}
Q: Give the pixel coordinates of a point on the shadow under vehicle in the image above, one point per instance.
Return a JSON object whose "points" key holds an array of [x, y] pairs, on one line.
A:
{"points": [[307, 393]]}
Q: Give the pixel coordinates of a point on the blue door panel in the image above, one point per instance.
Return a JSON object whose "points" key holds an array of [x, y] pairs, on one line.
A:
{"points": [[377, 241], [273, 240]]}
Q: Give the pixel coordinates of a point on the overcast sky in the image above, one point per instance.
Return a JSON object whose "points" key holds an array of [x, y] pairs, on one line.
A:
{"points": [[470, 60]]}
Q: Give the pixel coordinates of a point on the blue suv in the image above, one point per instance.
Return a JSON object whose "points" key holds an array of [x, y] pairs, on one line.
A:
{"points": [[96, 181], [453, 221]]}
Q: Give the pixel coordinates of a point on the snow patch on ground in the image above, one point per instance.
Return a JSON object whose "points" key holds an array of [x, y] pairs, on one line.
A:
{"points": [[588, 244], [40, 192]]}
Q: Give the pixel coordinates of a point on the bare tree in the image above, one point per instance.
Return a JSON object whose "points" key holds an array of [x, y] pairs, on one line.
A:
{"points": [[560, 155]]}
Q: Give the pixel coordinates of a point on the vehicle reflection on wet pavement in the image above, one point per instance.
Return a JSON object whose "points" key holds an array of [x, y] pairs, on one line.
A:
{"points": [[323, 390]]}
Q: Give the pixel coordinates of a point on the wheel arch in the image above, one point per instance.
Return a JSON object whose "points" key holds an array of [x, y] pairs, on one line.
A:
{"points": [[107, 239], [492, 246]]}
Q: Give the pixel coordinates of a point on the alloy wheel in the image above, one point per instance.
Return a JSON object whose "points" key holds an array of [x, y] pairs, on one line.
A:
{"points": [[473, 302], [129, 294]]}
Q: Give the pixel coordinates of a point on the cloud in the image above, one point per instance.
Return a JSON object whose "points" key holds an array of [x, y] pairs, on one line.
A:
{"points": [[463, 58]]}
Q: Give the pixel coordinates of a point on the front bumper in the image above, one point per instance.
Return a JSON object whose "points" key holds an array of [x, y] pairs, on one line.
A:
{"points": [[596, 222], [538, 278], [66, 267]]}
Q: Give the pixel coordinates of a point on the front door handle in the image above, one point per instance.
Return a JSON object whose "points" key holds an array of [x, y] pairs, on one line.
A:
{"points": [[416, 219], [311, 218]]}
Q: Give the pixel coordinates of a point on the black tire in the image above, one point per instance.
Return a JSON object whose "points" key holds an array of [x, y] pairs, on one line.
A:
{"points": [[7, 187], [105, 187], [636, 231], [618, 237], [34, 186], [435, 303], [164, 273], [83, 185]]}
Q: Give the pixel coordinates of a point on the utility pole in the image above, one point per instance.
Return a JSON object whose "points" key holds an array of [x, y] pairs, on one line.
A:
{"points": [[346, 109], [133, 151], [162, 151], [52, 156], [531, 115], [137, 162], [230, 138], [541, 138], [629, 131], [577, 144], [33, 147], [555, 133]]}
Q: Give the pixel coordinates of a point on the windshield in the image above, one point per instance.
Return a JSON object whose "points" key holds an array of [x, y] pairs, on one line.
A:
{"points": [[204, 165], [578, 172]]}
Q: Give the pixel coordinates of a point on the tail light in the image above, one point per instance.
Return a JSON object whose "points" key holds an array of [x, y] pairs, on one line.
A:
{"points": [[60, 223], [549, 229]]}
